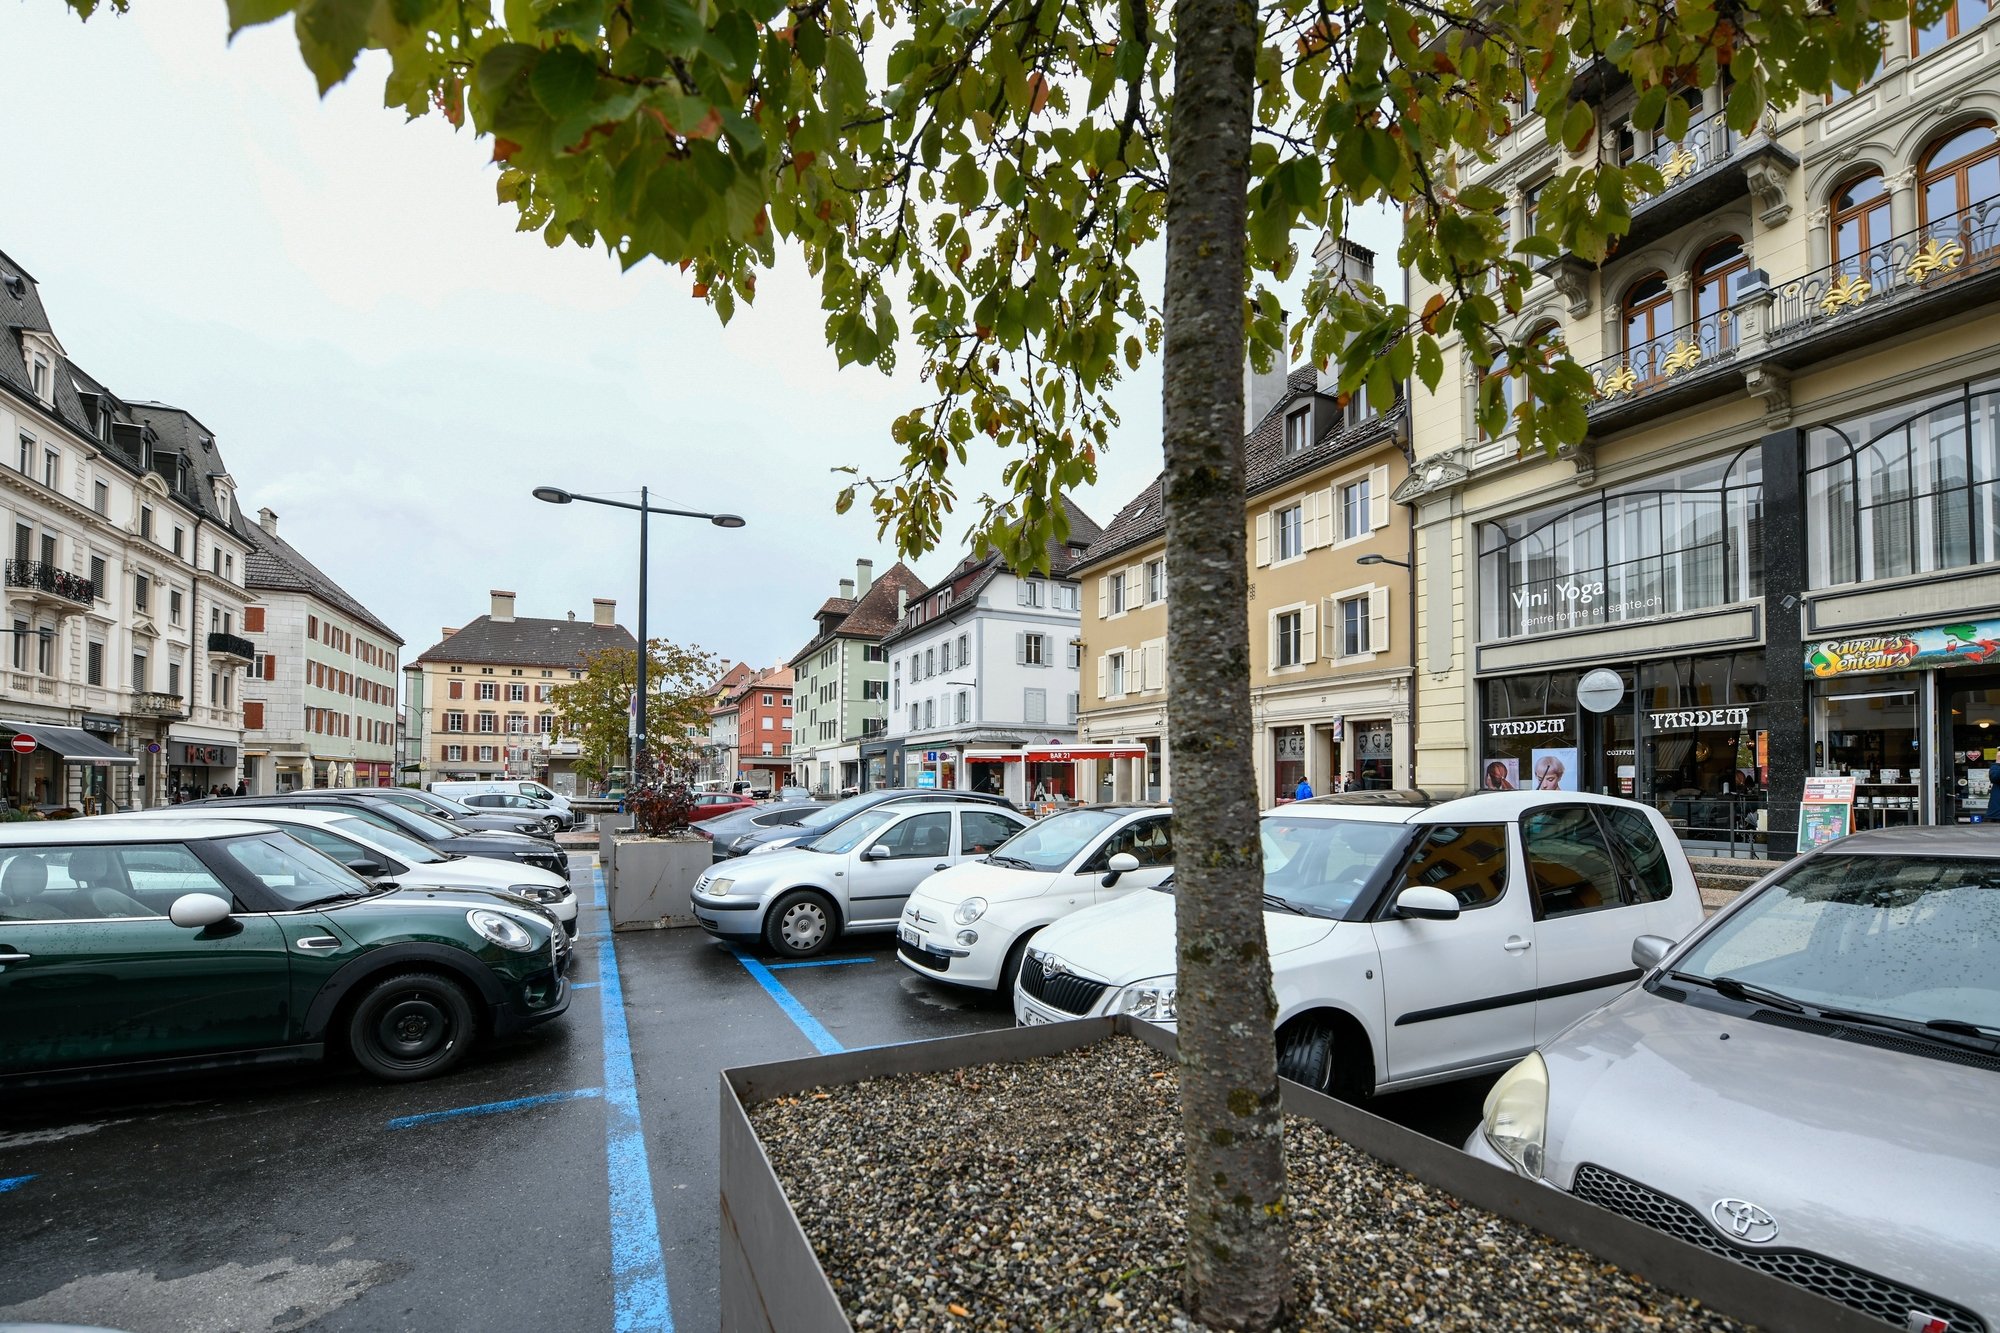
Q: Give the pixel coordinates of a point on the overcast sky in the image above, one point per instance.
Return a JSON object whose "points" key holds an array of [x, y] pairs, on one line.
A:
{"points": [[391, 367]]}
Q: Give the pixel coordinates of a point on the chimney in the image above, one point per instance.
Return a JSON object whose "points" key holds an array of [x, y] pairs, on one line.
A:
{"points": [[864, 575], [604, 611], [902, 603], [448, 631], [267, 519], [503, 606], [572, 617], [1263, 392], [1341, 262], [847, 589]]}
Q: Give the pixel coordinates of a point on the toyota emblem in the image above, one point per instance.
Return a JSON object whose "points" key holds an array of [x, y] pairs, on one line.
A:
{"points": [[1745, 1221]]}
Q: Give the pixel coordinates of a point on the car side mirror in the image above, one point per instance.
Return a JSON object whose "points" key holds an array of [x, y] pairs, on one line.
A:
{"points": [[197, 911], [368, 869], [1424, 903], [1649, 951], [1123, 863], [876, 853]]}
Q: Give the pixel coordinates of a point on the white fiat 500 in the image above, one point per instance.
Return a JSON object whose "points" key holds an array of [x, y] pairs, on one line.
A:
{"points": [[855, 877], [970, 925], [1411, 942]]}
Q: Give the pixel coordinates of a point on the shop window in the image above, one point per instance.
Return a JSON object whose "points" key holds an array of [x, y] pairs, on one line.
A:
{"points": [[1958, 172], [1288, 759], [1571, 868], [1468, 862]]}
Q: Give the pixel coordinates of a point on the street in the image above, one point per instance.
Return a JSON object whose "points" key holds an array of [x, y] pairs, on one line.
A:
{"points": [[510, 1194]]}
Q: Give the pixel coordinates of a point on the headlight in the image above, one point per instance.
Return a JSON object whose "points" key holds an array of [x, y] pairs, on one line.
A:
{"points": [[1154, 1000], [540, 893], [1517, 1114], [501, 930], [969, 911], [718, 887]]}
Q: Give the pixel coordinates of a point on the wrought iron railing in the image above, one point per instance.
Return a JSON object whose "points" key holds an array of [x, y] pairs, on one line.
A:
{"points": [[1651, 365], [232, 644], [1928, 259], [50, 579], [1706, 143]]}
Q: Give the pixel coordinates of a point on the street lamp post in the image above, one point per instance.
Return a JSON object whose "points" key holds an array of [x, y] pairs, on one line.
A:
{"points": [[555, 495]]}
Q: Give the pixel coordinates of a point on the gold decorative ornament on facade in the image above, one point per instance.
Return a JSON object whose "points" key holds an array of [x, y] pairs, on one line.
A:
{"points": [[1622, 380], [1679, 165], [1685, 356], [1846, 292], [1936, 257]]}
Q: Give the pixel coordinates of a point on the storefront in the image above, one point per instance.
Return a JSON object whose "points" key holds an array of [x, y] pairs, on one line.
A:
{"points": [[1045, 778], [195, 766], [67, 768]]}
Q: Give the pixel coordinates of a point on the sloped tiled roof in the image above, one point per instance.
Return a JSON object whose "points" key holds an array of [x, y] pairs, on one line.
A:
{"points": [[275, 564], [871, 617], [525, 641], [970, 576], [835, 606]]}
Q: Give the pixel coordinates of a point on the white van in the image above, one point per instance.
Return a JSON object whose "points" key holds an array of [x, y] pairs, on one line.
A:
{"points": [[555, 800]]}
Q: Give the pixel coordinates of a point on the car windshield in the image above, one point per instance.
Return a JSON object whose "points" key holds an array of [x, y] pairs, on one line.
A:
{"points": [[424, 826], [839, 810], [1054, 842], [855, 831], [1906, 937], [1318, 867], [394, 843], [297, 875], [426, 801]]}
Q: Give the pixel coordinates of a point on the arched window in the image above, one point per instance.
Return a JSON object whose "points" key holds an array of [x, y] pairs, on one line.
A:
{"points": [[1718, 272], [1962, 17], [1649, 311], [1960, 171], [1860, 220]]}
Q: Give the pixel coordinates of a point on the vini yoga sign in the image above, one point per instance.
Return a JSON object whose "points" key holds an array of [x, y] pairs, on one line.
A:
{"points": [[1972, 643]]}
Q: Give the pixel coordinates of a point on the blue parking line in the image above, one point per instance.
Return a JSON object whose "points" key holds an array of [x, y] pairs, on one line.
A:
{"points": [[597, 883], [13, 1183], [822, 1040], [818, 962], [493, 1108], [583, 985], [638, 1268]]}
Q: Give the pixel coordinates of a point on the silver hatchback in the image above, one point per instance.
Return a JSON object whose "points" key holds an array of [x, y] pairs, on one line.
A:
{"points": [[1809, 1084]]}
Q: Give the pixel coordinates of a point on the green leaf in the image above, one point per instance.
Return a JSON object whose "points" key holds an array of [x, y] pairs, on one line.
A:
{"points": [[331, 35], [563, 81], [249, 13], [1430, 363], [1577, 124]]}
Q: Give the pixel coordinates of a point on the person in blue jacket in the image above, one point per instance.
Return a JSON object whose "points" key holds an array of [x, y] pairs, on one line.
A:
{"points": [[1306, 789]]}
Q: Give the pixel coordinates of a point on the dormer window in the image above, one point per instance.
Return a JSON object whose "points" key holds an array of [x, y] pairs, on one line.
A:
{"points": [[41, 376], [1298, 431]]}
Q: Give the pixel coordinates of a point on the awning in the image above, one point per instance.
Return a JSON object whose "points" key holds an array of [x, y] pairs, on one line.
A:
{"points": [[75, 745], [1072, 753]]}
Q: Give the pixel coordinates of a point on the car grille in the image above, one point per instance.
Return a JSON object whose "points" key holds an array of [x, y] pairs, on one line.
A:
{"points": [[922, 957], [1878, 1296], [1065, 990]]}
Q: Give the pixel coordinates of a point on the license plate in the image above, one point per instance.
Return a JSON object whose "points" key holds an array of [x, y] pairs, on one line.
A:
{"points": [[909, 936], [1029, 1018]]}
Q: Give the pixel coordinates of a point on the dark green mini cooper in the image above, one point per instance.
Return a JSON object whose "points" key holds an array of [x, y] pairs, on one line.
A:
{"points": [[128, 946]]}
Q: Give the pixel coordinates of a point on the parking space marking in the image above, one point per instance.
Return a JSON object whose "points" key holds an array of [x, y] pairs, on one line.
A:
{"points": [[583, 985], [493, 1108], [13, 1183], [822, 1040], [638, 1268], [597, 883], [817, 962]]}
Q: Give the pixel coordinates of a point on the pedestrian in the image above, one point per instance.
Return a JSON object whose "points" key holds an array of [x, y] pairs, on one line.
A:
{"points": [[243, 787], [1304, 792]]}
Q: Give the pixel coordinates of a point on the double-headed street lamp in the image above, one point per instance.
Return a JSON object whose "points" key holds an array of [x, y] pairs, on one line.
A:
{"points": [[555, 495]]}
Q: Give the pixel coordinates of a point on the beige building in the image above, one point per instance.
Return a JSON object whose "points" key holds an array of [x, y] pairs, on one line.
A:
{"points": [[1329, 607], [1762, 561]]}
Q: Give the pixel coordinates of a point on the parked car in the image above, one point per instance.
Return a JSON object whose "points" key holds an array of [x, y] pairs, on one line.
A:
{"points": [[1837, 1028], [132, 947], [831, 815], [723, 830], [389, 814], [381, 855], [709, 804], [459, 790], [461, 817], [970, 925], [856, 878], [1411, 942], [546, 816]]}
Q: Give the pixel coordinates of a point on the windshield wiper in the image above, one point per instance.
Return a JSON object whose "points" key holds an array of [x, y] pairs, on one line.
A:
{"points": [[1287, 905], [344, 896], [1748, 991], [993, 859], [1945, 1031]]}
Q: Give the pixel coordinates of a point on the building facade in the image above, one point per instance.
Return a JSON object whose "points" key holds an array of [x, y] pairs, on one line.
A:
{"points": [[486, 694], [1773, 554], [841, 691], [761, 711], [123, 584], [718, 747], [983, 672], [320, 703]]}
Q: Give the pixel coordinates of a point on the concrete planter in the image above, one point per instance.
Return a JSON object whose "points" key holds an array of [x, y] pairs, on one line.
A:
{"points": [[652, 881], [609, 826], [772, 1281]]}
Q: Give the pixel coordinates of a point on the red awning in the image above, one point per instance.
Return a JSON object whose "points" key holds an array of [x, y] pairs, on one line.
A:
{"points": [[1075, 752]]}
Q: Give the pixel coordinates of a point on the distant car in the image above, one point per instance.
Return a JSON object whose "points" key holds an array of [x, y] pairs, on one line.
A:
{"points": [[459, 790], [830, 816], [970, 925], [1837, 1031], [1411, 941], [791, 794], [135, 947], [461, 817], [546, 816], [724, 829], [709, 804], [855, 879], [388, 813]]}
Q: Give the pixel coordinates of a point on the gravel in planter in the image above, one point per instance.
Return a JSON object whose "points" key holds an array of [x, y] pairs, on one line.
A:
{"points": [[1045, 1195]]}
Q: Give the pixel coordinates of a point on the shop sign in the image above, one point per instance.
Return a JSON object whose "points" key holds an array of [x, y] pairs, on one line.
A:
{"points": [[1601, 690], [1291, 742], [927, 778], [1698, 719], [1827, 812], [1373, 741], [1529, 726], [1969, 643], [192, 755]]}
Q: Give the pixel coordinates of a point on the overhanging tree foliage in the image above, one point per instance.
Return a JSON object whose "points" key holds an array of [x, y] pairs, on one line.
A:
{"points": [[596, 711], [974, 179]]}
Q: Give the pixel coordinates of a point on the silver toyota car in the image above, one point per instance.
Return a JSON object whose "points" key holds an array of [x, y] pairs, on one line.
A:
{"points": [[1808, 1084]]}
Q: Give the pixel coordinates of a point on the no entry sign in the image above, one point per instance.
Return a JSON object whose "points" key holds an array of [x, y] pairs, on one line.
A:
{"points": [[24, 744]]}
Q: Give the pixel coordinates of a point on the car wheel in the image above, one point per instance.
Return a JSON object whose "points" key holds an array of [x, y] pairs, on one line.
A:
{"points": [[549, 827], [1305, 1055], [1010, 971], [799, 924], [415, 1025]]}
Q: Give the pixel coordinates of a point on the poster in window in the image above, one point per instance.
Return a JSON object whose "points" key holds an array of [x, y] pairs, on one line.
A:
{"points": [[1554, 770], [1501, 775]]}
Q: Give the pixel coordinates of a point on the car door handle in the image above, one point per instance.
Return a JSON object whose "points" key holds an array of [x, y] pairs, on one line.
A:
{"points": [[942, 865], [1515, 944], [318, 942], [14, 957]]}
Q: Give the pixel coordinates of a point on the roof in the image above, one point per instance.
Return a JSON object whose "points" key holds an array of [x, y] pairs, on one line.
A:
{"points": [[263, 814], [1413, 807], [1266, 466], [101, 829], [872, 617], [177, 430], [526, 641], [1923, 840], [970, 576], [275, 564]]}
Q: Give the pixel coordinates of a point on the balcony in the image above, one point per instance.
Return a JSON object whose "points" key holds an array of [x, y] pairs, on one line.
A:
{"points": [[231, 645], [51, 586], [169, 707], [1664, 372]]}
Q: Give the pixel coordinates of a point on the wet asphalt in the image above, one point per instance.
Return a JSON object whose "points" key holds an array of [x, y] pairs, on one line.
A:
{"points": [[563, 1179]]}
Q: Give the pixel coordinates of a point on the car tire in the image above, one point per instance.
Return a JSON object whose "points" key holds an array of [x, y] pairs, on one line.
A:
{"points": [[801, 923], [549, 826], [1010, 970], [1306, 1056], [411, 1026]]}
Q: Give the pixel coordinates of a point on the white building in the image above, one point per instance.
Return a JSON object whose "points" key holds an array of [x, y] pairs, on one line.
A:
{"points": [[983, 678]]}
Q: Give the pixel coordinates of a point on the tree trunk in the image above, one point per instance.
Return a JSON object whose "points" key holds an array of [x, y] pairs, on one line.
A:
{"points": [[1237, 1276]]}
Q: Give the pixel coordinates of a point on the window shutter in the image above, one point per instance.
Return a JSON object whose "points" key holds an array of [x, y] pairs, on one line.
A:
{"points": [[1156, 665], [1263, 539], [1308, 635], [1103, 597], [1020, 592], [270, 667], [1020, 648], [1378, 497], [1378, 620], [1103, 675], [1329, 615], [1270, 640], [1326, 501], [1135, 586]]}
